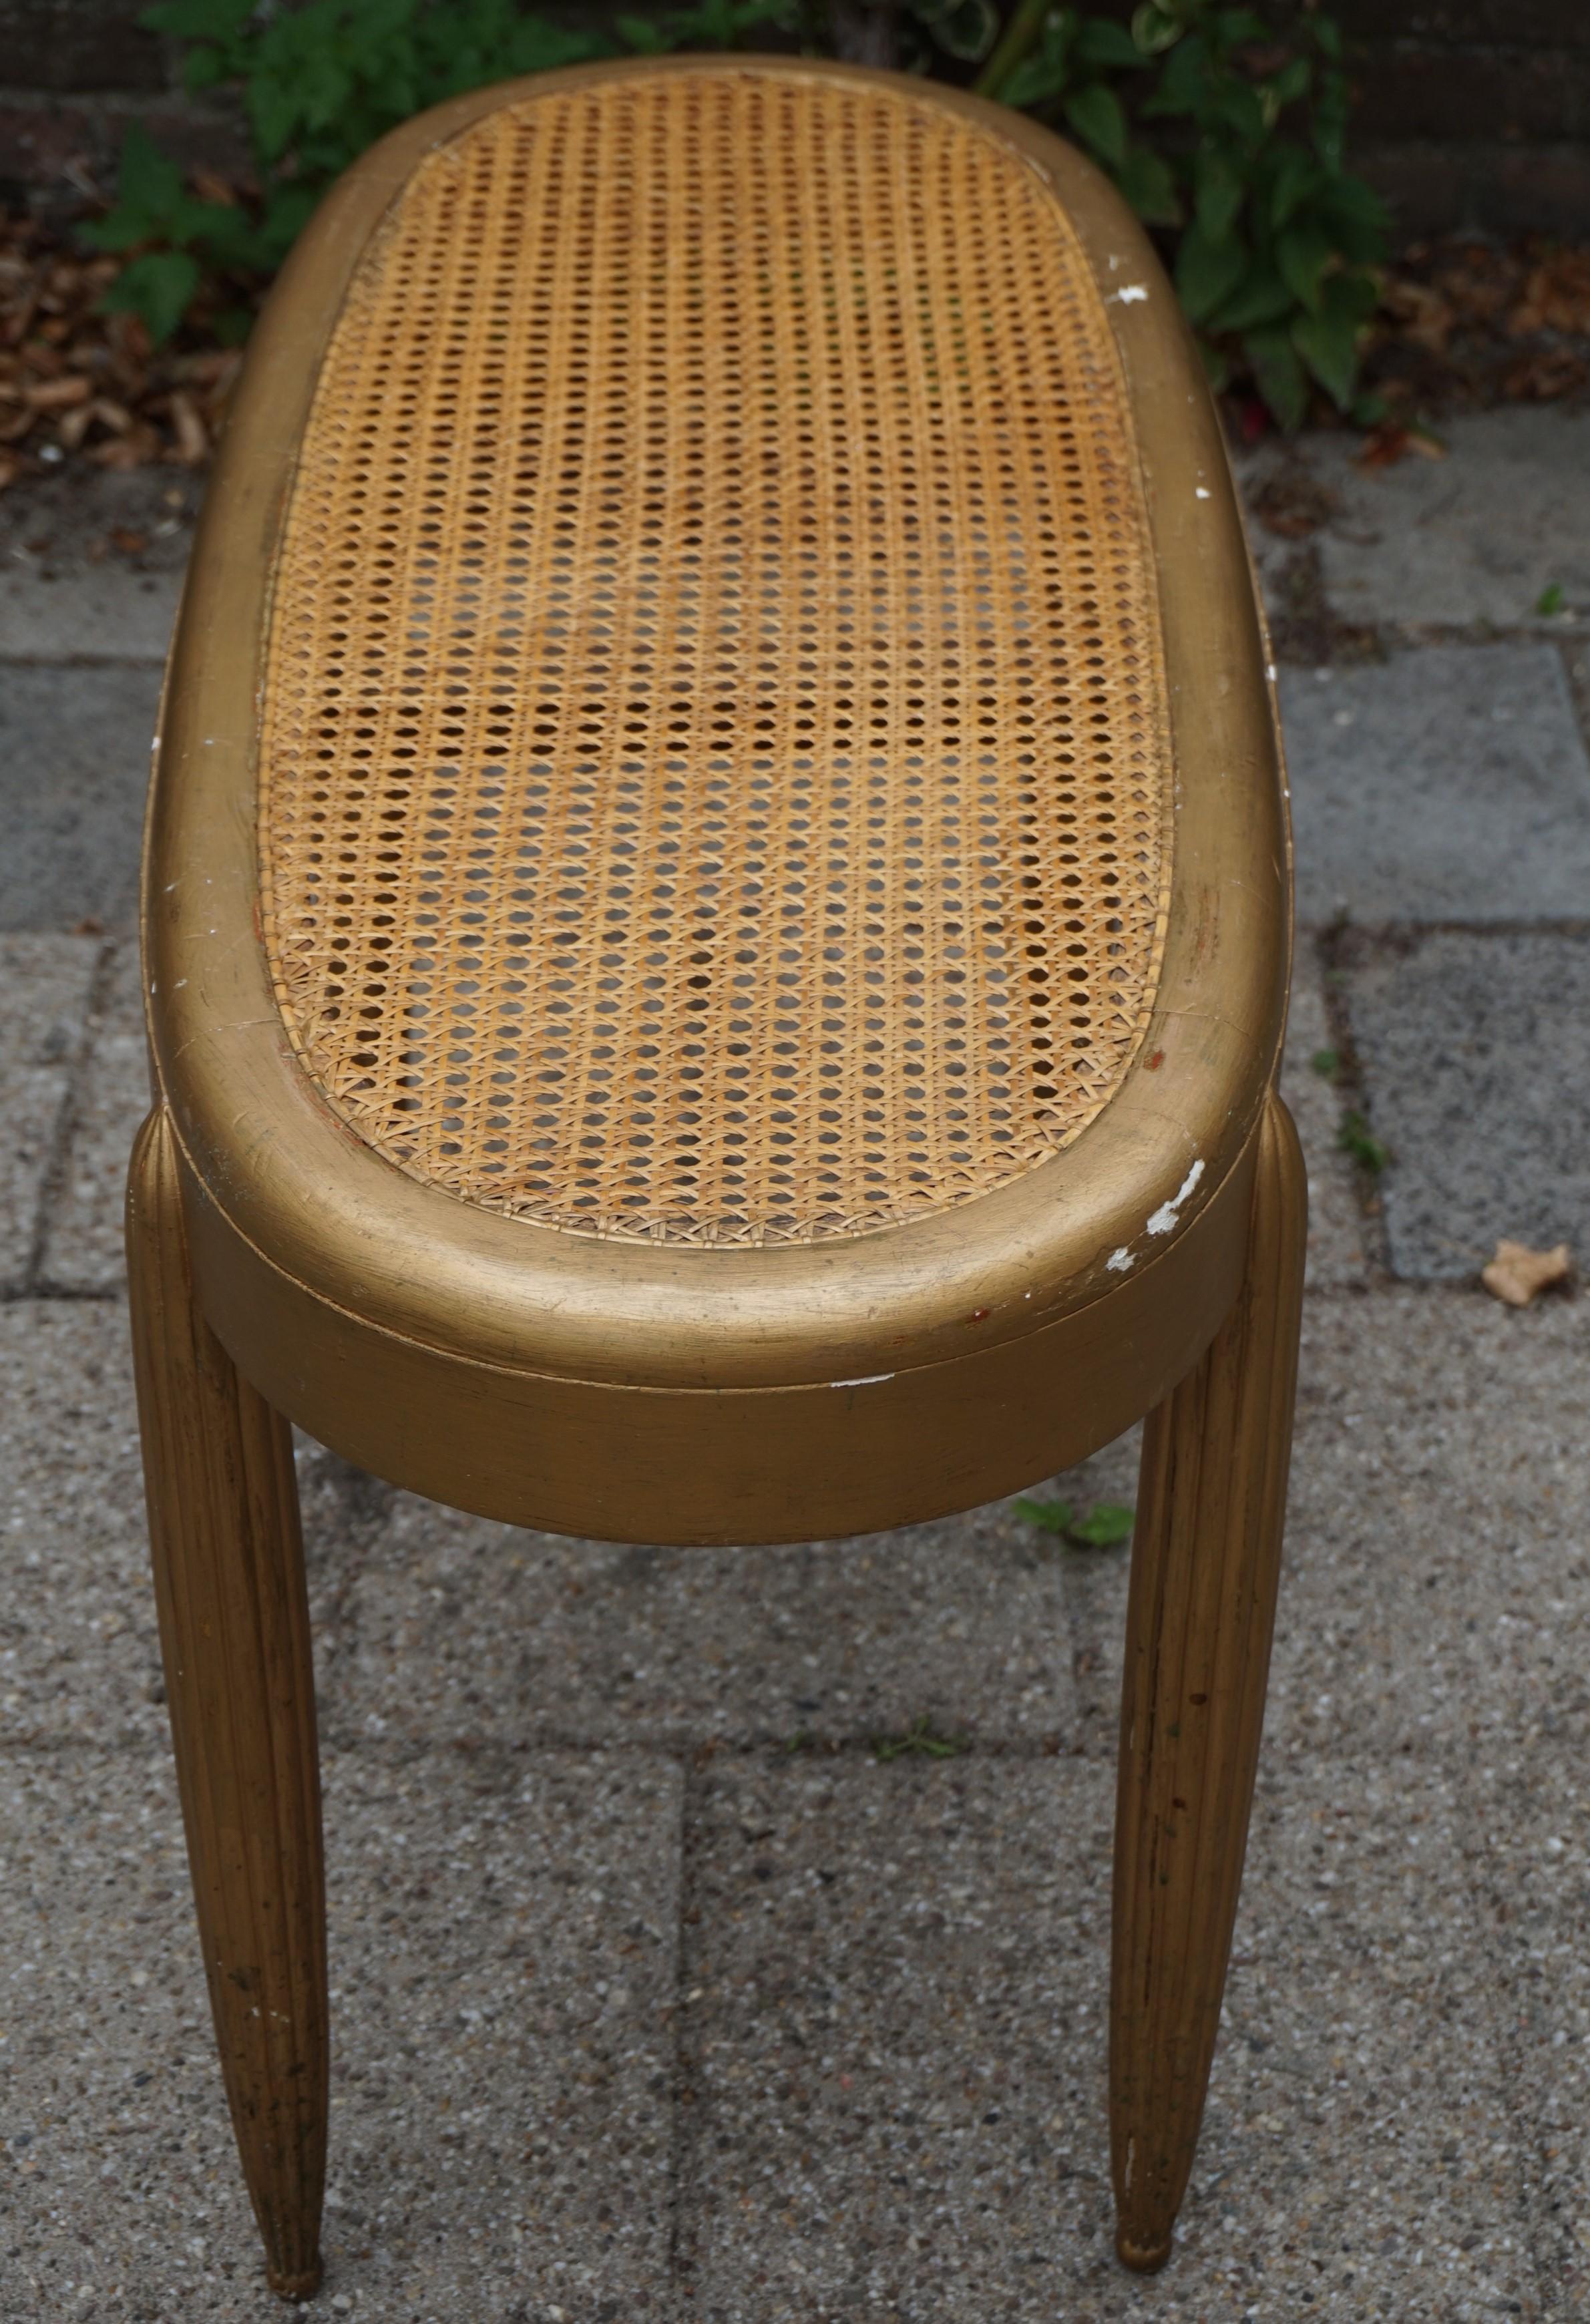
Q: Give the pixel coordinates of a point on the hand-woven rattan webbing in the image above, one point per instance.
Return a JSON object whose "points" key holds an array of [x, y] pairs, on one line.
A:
{"points": [[714, 780]]}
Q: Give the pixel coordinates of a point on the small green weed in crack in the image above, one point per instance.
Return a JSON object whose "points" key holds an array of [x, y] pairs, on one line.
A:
{"points": [[1549, 601], [920, 1740], [1327, 1063], [1355, 1137], [1106, 1526]]}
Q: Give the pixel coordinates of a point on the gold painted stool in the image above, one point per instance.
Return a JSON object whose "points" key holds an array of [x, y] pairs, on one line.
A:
{"points": [[716, 925]]}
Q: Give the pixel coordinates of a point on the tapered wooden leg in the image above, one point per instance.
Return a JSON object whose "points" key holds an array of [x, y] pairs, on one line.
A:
{"points": [[234, 1634], [1205, 1564]]}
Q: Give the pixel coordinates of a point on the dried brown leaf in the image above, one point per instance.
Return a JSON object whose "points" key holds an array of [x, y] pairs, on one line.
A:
{"points": [[211, 186], [1424, 316], [59, 394], [139, 446], [1517, 1274], [192, 447], [1292, 503]]}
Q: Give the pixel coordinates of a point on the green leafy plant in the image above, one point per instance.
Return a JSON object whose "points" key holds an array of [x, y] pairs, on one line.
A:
{"points": [[1063, 65], [1275, 244], [1327, 1063], [1106, 1526], [179, 237], [1223, 126], [318, 84]]}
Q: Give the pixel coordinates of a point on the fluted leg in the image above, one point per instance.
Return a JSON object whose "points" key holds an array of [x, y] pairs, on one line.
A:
{"points": [[1205, 1565], [234, 1634]]}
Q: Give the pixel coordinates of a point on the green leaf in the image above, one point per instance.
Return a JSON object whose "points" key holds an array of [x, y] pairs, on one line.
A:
{"points": [[1096, 115], [1039, 80], [1051, 1517], [288, 211], [1207, 271], [1237, 104], [968, 31], [1260, 298], [536, 46], [640, 34], [1297, 175], [222, 232], [1100, 42], [1106, 1524], [1549, 601], [148, 181], [1279, 375], [1355, 218], [1182, 78], [1327, 1063], [274, 113], [1152, 30], [158, 287], [1302, 254], [1328, 342], [1144, 179], [1291, 83], [1355, 1137], [1217, 193]]}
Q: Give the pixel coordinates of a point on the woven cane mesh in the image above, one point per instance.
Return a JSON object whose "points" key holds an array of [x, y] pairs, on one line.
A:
{"points": [[715, 781]]}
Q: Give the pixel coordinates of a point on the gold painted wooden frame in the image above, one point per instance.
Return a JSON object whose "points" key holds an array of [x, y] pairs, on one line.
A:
{"points": [[281, 1268]]}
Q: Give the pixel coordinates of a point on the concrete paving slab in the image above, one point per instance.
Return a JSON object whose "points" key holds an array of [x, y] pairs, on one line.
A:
{"points": [[74, 769], [78, 1655], [1475, 538], [1475, 1057], [97, 614], [1337, 1245], [896, 2053], [45, 983], [1436, 1582], [79, 1658], [502, 1969], [1448, 783], [465, 1629], [91, 564], [1531, 1843], [82, 1247]]}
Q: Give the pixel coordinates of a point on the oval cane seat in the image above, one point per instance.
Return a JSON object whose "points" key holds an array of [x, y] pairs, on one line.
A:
{"points": [[715, 771], [717, 832]]}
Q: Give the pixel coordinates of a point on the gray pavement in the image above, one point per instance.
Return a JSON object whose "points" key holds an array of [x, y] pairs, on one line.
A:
{"points": [[1447, 782], [659, 1994]]}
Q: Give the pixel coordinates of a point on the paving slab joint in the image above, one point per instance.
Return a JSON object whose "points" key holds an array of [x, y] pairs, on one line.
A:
{"points": [[1347, 1084], [1541, 2229], [681, 2098], [34, 1283], [1574, 651]]}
